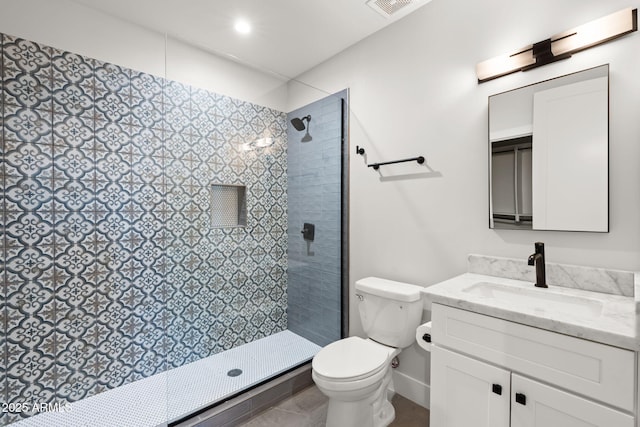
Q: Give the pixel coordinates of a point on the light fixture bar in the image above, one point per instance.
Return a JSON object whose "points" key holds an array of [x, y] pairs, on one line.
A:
{"points": [[560, 46], [505, 64], [595, 32]]}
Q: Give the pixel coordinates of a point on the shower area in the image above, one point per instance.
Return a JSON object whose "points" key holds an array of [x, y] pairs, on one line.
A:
{"points": [[164, 247]]}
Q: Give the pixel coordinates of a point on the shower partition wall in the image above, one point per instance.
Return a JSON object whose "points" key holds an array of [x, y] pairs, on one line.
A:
{"points": [[316, 186], [113, 271]]}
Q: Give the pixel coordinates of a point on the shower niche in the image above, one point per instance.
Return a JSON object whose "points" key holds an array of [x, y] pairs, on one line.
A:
{"points": [[228, 205]]}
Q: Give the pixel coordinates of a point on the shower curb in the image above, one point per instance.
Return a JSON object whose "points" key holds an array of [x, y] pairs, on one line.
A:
{"points": [[247, 405]]}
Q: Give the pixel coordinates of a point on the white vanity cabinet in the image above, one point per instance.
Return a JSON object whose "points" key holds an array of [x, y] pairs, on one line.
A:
{"points": [[467, 392], [546, 406], [496, 373]]}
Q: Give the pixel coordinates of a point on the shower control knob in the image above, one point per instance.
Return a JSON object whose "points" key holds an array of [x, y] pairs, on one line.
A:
{"points": [[308, 231]]}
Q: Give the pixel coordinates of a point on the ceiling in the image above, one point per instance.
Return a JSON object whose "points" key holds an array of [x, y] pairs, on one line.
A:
{"points": [[288, 37]]}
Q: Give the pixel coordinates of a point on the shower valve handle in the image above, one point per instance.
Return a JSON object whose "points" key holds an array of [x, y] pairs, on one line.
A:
{"points": [[308, 232]]}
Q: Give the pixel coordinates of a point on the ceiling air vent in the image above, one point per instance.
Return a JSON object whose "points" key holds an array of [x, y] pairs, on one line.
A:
{"points": [[389, 7]]}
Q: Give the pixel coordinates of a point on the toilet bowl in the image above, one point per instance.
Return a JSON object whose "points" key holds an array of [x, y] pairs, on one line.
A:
{"points": [[355, 373]]}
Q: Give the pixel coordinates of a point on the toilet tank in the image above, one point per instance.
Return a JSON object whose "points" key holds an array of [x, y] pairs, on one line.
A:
{"points": [[390, 311]]}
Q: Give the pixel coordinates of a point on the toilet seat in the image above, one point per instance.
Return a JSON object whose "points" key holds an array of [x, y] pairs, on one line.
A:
{"points": [[351, 359]]}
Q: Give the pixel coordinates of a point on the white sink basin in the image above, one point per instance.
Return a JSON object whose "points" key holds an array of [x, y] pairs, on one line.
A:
{"points": [[538, 299], [605, 318]]}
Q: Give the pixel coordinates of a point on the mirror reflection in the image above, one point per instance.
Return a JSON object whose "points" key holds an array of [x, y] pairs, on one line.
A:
{"points": [[548, 154]]}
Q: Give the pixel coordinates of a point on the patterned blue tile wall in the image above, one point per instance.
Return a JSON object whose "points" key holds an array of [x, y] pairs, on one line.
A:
{"points": [[314, 186], [111, 269]]}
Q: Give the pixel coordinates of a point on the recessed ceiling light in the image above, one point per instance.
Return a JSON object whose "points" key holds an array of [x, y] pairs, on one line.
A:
{"points": [[242, 26]]}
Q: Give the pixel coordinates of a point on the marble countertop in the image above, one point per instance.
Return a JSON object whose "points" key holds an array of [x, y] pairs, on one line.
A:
{"points": [[614, 324]]}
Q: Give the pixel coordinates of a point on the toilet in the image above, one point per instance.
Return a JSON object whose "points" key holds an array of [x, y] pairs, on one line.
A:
{"points": [[355, 373]]}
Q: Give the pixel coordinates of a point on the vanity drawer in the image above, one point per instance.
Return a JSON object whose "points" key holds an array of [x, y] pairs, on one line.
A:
{"points": [[594, 370]]}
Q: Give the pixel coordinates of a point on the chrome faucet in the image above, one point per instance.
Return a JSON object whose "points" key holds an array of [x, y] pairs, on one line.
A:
{"points": [[537, 259]]}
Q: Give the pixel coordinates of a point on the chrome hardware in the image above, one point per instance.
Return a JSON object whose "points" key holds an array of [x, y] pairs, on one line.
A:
{"points": [[360, 297]]}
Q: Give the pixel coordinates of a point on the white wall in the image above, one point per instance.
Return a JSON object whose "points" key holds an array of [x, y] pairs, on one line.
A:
{"points": [[69, 26], [413, 91]]}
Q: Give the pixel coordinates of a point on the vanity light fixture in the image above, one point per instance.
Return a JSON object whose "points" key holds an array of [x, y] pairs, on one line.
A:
{"points": [[560, 46]]}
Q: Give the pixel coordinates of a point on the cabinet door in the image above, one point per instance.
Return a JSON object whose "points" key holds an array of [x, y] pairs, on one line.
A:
{"points": [[538, 405], [466, 392]]}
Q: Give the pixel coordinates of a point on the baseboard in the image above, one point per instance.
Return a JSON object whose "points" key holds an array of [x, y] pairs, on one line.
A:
{"points": [[414, 390]]}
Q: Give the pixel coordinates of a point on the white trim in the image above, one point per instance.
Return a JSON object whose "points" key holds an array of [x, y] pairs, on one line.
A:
{"points": [[411, 388]]}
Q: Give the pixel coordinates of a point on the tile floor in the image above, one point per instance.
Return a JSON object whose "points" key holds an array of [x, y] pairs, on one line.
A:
{"points": [[308, 408], [184, 390]]}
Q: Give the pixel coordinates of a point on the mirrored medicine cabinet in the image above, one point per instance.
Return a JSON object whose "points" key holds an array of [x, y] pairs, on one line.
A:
{"points": [[549, 154]]}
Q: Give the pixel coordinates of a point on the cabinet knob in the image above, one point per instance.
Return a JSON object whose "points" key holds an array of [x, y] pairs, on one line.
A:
{"points": [[521, 398], [427, 337], [497, 389]]}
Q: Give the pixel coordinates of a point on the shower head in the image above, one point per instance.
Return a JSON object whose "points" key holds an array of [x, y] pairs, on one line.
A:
{"points": [[298, 123]]}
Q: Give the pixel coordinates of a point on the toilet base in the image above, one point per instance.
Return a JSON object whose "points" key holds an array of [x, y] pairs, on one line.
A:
{"points": [[361, 414], [388, 413], [374, 411]]}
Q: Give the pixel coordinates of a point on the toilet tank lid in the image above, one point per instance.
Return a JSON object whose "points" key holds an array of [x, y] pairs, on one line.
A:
{"points": [[384, 288]]}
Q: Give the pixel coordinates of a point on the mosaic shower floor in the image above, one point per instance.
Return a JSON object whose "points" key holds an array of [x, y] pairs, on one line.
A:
{"points": [[175, 394]]}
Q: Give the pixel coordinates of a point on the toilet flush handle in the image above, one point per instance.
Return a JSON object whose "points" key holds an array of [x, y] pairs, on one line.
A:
{"points": [[360, 297]]}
